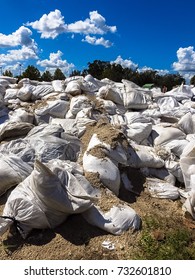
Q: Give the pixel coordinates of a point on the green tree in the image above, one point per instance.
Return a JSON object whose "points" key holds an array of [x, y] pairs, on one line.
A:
{"points": [[32, 73], [58, 74], [46, 76], [75, 73], [96, 68], [8, 73]]}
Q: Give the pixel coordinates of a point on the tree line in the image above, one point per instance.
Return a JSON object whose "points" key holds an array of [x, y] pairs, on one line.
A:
{"points": [[104, 69]]}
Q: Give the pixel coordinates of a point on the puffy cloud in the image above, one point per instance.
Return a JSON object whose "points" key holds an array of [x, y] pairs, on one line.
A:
{"points": [[50, 26], [186, 60], [125, 63], [160, 72], [97, 41], [95, 24], [25, 53], [21, 37], [55, 61], [53, 24]]}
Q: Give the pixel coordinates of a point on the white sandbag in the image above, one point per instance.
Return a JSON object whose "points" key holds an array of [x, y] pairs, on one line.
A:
{"points": [[116, 221], [45, 201], [181, 92], [117, 154], [108, 106], [189, 150], [162, 135], [161, 189], [93, 84], [108, 172], [25, 92], [78, 79], [189, 204], [138, 132], [21, 115], [78, 103], [10, 94], [137, 117], [8, 79], [134, 99], [144, 156], [176, 146], [56, 108], [13, 170], [188, 169], [11, 129], [41, 90], [43, 130], [68, 125], [175, 169], [73, 88], [118, 120], [187, 124], [58, 85], [160, 173], [110, 93], [51, 147], [81, 124]]}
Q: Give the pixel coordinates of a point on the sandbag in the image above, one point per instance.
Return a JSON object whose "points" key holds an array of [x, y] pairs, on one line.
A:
{"points": [[107, 171], [25, 92], [138, 131], [56, 108], [73, 88], [161, 189], [116, 221], [43, 200], [144, 156], [11, 129], [41, 90], [13, 170]]}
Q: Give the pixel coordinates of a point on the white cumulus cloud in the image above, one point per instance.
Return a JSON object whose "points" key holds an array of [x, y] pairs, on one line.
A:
{"points": [[55, 61], [97, 41], [50, 26], [23, 54], [125, 63], [53, 24], [21, 37], [186, 60], [95, 24]]}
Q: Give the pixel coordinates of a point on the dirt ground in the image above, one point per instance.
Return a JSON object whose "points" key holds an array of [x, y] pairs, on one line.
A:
{"points": [[75, 239]]}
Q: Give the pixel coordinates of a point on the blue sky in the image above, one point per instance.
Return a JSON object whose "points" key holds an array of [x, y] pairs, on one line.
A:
{"points": [[151, 34]]}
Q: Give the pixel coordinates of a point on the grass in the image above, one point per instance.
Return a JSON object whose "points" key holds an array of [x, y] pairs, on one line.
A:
{"points": [[159, 244]]}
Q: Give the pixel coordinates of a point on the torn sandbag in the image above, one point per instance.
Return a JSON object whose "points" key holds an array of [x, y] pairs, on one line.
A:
{"points": [[116, 221], [43, 200], [105, 169]]}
